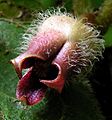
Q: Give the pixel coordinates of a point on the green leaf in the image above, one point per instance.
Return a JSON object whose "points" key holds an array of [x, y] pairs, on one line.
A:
{"points": [[68, 4], [10, 108], [9, 39], [36, 4], [108, 37], [81, 7], [9, 11]]}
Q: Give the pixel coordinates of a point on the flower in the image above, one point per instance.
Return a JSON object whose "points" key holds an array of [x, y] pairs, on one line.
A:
{"points": [[55, 44]]}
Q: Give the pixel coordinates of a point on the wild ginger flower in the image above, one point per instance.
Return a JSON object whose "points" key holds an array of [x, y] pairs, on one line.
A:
{"points": [[55, 44]]}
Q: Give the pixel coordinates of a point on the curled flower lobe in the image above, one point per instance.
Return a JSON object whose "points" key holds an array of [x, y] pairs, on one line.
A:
{"points": [[55, 46]]}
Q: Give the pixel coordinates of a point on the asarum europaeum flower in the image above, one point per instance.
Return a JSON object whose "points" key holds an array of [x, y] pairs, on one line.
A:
{"points": [[55, 44]]}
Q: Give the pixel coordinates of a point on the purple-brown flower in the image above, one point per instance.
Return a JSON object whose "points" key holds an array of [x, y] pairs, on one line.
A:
{"points": [[56, 44]]}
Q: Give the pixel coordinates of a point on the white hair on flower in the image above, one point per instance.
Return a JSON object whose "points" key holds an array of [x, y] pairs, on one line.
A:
{"points": [[36, 24], [89, 45], [83, 35]]}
